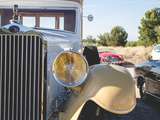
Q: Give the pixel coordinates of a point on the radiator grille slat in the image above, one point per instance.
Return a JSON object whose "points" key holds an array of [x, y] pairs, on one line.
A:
{"points": [[38, 74], [21, 74], [9, 77], [25, 77], [17, 77], [5, 74], [1, 51], [21, 77], [13, 77], [30, 77], [34, 76]]}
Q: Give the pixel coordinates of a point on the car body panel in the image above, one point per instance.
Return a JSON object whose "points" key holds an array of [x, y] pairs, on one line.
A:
{"points": [[110, 57], [150, 71], [41, 3], [106, 89]]}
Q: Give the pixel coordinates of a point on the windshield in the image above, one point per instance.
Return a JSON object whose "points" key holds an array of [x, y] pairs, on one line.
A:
{"points": [[52, 19], [113, 59]]}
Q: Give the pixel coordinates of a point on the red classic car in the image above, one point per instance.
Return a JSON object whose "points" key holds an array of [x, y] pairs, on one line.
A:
{"points": [[110, 57]]}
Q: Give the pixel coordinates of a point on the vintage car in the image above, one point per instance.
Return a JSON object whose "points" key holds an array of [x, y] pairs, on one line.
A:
{"points": [[155, 54], [110, 57], [148, 79], [43, 73]]}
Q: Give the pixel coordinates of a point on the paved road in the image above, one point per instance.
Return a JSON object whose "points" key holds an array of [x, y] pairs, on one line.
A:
{"points": [[143, 111]]}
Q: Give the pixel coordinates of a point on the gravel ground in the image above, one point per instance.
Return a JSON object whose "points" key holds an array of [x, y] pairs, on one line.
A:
{"points": [[143, 111]]}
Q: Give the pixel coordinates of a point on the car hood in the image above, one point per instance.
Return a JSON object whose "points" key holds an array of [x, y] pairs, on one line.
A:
{"points": [[150, 66], [64, 39], [57, 42]]}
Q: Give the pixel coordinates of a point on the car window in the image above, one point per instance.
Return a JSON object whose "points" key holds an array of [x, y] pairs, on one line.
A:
{"points": [[29, 21], [112, 59], [48, 22], [52, 19], [157, 48]]}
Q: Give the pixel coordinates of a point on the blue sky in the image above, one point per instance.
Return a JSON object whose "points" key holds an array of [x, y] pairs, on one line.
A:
{"points": [[109, 13]]}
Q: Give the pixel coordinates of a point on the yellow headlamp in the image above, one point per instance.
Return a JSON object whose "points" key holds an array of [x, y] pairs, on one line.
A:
{"points": [[70, 69]]}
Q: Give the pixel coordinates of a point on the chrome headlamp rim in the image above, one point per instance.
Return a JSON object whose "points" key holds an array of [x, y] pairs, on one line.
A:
{"points": [[73, 84]]}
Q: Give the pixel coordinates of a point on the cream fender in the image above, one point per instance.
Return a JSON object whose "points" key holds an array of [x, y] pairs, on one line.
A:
{"points": [[109, 86]]}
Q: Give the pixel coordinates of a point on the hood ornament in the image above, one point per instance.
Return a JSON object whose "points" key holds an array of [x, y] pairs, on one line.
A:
{"points": [[15, 18]]}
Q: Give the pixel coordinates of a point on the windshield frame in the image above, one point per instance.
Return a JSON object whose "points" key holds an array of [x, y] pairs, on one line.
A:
{"points": [[64, 9], [23, 11]]}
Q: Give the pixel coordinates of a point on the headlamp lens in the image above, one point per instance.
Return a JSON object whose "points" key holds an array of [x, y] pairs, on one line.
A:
{"points": [[70, 69]]}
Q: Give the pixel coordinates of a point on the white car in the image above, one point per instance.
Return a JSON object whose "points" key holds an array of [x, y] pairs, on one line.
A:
{"points": [[156, 52]]}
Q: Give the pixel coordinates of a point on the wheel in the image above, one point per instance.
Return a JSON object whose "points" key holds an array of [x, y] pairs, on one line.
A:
{"points": [[91, 55], [150, 57], [141, 85], [142, 90]]}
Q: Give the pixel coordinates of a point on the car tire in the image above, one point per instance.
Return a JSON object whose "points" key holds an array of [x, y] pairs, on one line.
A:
{"points": [[91, 55], [150, 57], [142, 90], [141, 86]]}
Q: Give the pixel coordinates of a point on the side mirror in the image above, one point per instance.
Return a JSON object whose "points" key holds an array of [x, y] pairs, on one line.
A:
{"points": [[90, 18]]}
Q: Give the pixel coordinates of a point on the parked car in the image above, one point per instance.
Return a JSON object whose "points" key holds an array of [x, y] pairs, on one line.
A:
{"points": [[148, 79], [43, 73], [110, 57], [155, 55]]}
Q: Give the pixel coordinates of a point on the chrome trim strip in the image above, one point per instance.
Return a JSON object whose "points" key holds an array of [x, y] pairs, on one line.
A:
{"points": [[80, 81], [152, 95], [38, 81], [43, 84], [152, 79]]}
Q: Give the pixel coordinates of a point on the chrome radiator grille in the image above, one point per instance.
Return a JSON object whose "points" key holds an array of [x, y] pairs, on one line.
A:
{"points": [[21, 77]]}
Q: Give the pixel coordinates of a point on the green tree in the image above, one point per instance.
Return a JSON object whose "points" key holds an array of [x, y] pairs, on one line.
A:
{"points": [[149, 28], [131, 44], [118, 36], [158, 34], [90, 40], [104, 39]]}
